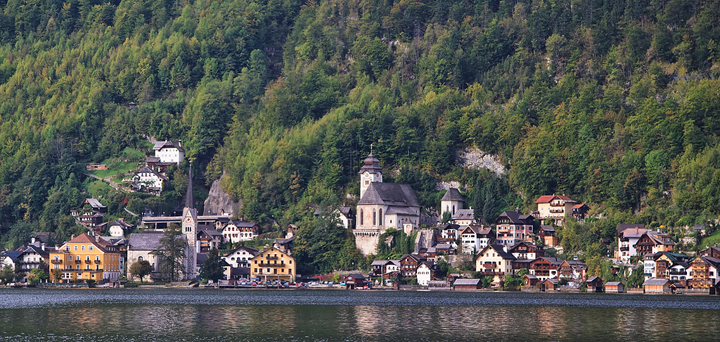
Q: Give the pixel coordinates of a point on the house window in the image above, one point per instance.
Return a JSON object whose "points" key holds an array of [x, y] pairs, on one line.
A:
{"points": [[91, 248], [75, 247]]}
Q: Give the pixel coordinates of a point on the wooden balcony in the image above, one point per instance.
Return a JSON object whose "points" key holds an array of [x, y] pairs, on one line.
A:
{"points": [[56, 261], [78, 261], [262, 264], [97, 261], [272, 257], [87, 261]]}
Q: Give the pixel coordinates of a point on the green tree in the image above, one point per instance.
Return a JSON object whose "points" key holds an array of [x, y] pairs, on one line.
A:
{"points": [[140, 269], [212, 267], [171, 253], [7, 274]]}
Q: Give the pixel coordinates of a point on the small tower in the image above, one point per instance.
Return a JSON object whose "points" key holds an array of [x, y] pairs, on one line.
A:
{"points": [[189, 227], [451, 202], [370, 172]]}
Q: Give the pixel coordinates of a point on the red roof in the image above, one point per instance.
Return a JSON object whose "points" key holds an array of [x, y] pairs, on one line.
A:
{"points": [[549, 198], [578, 206]]}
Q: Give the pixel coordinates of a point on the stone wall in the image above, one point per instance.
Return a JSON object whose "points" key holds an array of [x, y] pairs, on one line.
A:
{"points": [[366, 243]]}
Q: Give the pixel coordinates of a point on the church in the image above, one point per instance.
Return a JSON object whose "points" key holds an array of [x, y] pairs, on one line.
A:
{"points": [[382, 206]]}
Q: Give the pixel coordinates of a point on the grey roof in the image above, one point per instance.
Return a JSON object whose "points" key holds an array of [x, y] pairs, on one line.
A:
{"points": [[698, 227], [390, 194], [168, 143], [443, 246], [379, 262], [400, 211], [592, 279], [516, 217], [94, 203], [189, 199], [463, 214], [357, 276], [471, 282], [243, 224], [623, 226], [345, 210], [548, 228], [656, 281], [121, 223], [250, 250], [453, 194], [152, 159], [146, 169], [145, 241], [451, 226], [212, 232], [13, 255]]}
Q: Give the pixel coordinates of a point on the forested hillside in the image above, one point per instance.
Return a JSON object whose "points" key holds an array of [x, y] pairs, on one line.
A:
{"points": [[614, 103]]}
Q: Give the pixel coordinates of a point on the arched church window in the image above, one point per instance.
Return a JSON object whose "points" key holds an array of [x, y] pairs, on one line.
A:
{"points": [[380, 218], [361, 217], [374, 217]]}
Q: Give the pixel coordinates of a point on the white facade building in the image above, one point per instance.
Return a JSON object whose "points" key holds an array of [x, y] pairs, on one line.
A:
{"points": [[424, 274], [169, 151]]}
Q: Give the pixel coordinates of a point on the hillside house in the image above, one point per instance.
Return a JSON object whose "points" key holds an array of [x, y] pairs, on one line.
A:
{"points": [[169, 152], [147, 179], [547, 235], [545, 267], [119, 228], [238, 230], [494, 260], [555, 207], [513, 227], [628, 235]]}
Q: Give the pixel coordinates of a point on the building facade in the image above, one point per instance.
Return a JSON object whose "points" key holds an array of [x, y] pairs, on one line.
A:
{"points": [[273, 264], [86, 258]]}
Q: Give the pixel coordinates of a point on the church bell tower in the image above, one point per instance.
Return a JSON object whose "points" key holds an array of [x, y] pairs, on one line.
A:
{"points": [[189, 228], [370, 172]]}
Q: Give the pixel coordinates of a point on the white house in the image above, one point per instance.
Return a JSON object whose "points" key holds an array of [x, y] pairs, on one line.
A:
{"points": [[494, 260], [450, 231], [474, 238], [236, 231], [424, 274], [628, 236], [240, 257], [148, 179], [169, 151], [118, 228]]}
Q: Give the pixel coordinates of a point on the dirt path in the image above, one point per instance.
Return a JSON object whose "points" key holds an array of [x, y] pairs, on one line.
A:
{"points": [[108, 180]]}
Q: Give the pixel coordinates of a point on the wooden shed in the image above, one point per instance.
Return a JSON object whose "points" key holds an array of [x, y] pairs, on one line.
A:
{"points": [[549, 285], [530, 280], [657, 285], [354, 281], [467, 284], [594, 284], [614, 287]]}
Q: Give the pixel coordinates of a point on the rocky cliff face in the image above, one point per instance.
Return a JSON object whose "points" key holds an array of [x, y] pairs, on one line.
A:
{"points": [[219, 202]]}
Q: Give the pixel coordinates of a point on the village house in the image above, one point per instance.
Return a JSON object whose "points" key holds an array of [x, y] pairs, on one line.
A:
{"points": [[628, 235], [464, 217], [526, 251], [513, 227], [273, 264], [713, 252], [284, 245], [240, 257], [579, 211], [392, 267], [209, 238], [238, 230], [470, 238], [652, 242], [494, 260], [86, 258], [547, 235], [555, 207], [424, 273], [428, 254], [704, 272], [91, 214], [378, 267], [572, 270], [346, 216], [382, 206], [119, 228], [450, 231], [147, 179], [549, 285], [545, 267], [32, 257], [409, 264], [354, 281], [530, 280], [10, 259], [169, 152], [444, 249]]}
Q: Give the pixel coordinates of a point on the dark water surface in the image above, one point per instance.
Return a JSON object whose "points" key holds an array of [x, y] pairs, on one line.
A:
{"points": [[307, 315]]}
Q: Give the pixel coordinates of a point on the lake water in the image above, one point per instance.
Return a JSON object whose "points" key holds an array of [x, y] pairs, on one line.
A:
{"points": [[308, 315]]}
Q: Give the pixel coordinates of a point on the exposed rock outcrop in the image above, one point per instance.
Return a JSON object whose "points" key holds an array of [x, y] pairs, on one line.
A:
{"points": [[219, 202]]}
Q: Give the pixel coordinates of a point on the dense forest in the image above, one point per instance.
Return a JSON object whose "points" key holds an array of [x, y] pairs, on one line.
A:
{"points": [[613, 103]]}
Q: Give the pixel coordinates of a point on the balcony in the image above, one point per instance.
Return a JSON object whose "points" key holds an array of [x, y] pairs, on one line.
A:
{"points": [[78, 261], [490, 266], [262, 264], [624, 249], [56, 261], [677, 273], [272, 258], [97, 261], [87, 261]]}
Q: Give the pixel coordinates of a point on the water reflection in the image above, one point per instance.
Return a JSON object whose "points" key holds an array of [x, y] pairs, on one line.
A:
{"points": [[344, 315]]}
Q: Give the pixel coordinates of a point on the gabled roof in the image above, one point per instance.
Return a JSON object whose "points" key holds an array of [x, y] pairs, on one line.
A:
{"points": [[13, 255], [464, 214], [613, 283], [499, 250], [623, 226], [243, 224], [633, 232], [553, 260], [416, 257], [452, 194], [168, 144], [656, 281], [578, 206], [250, 250], [450, 226], [94, 203], [356, 276], [550, 198], [380, 262], [146, 169], [390, 194], [211, 232], [400, 210], [121, 223], [347, 211], [152, 159], [516, 217], [593, 279], [467, 282], [547, 228], [85, 238]]}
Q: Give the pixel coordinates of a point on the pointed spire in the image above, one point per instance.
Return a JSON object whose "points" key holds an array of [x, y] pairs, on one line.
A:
{"points": [[189, 201]]}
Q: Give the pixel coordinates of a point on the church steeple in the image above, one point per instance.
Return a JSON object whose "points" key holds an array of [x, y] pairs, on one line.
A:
{"points": [[370, 172], [189, 200]]}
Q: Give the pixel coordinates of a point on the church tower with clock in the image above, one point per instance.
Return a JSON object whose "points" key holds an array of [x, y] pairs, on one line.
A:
{"points": [[189, 229]]}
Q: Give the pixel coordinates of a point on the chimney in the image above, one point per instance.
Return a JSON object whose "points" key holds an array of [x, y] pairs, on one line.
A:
{"points": [[517, 209], [97, 238], [42, 246], [505, 248], [32, 240], [72, 236]]}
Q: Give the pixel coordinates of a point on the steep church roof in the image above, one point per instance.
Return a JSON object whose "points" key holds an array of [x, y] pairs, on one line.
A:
{"points": [[189, 201], [390, 194], [453, 194]]}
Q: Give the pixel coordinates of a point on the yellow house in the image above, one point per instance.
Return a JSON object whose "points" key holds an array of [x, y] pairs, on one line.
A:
{"points": [[86, 258], [272, 264]]}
